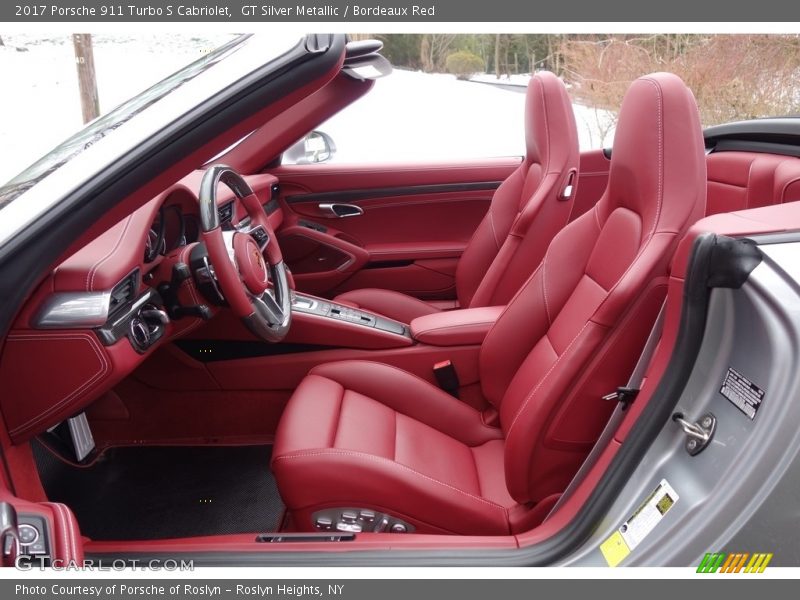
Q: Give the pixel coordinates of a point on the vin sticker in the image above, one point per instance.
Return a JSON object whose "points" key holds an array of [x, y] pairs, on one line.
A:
{"points": [[742, 393]]}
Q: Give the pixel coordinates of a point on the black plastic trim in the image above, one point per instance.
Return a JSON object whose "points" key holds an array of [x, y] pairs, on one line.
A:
{"points": [[391, 192], [732, 261], [23, 259], [756, 146], [776, 129], [387, 264], [217, 350], [657, 412]]}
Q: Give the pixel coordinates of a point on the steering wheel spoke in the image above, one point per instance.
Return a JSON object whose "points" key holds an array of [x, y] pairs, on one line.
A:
{"points": [[269, 307]]}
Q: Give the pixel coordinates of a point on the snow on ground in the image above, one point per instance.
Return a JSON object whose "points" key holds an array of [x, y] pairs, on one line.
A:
{"points": [[40, 105], [520, 79], [418, 116], [407, 116]]}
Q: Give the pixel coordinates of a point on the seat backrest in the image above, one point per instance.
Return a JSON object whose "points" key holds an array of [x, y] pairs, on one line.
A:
{"points": [[529, 207], [743, 180], [579, 301]]}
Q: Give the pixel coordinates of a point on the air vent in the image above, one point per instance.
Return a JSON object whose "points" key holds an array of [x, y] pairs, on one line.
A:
{"points": [[124, 292], [226, 213]]}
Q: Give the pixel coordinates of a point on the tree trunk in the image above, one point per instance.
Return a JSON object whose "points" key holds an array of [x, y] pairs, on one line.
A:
{"points": [[425, 53], [87, 81], [497, 56]]}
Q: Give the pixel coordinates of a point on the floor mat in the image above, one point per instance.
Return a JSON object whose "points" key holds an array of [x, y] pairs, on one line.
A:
{"points": [[140, 493]]}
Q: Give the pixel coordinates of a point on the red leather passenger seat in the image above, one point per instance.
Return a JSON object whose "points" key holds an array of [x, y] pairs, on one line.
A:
{"points": [[367, 435], [527, 210]]}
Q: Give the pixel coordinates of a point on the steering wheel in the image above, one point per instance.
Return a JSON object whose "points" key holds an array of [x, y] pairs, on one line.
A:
{"points": [[246, 261]]}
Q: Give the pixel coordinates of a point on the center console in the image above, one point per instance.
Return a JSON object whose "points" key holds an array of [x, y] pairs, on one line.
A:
{"points": [[332, 310], [316, 321]]}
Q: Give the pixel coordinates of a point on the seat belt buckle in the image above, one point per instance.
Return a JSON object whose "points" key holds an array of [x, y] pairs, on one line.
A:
{"points": [[446, 377], [623, 395]]}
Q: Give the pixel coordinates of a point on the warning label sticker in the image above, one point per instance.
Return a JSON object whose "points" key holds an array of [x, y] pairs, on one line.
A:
{"points": [[633, 531], [743, 393]]}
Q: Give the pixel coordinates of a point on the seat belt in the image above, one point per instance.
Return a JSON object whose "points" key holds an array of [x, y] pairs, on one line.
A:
{"points": [[624, 396]]}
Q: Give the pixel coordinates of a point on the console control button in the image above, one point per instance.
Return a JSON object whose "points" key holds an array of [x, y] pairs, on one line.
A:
{"points": [[28, 534]]}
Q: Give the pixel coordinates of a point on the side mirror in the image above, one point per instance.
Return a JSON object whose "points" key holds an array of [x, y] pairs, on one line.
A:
{"points": [[316, 147]]}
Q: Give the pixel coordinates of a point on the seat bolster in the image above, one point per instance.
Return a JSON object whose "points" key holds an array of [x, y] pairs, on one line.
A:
{"points": [[314, 479], [304, 429], [411, 396], [388, 303]]}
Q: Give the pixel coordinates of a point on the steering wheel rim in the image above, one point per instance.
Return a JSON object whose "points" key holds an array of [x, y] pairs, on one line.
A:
{"points": [[243, 267]]}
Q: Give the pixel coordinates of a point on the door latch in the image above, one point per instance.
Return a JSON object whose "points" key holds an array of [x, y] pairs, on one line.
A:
{"points": [[698, 434]]}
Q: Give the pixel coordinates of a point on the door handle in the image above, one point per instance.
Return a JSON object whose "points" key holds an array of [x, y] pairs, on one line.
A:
{"points": [[340, 211]]}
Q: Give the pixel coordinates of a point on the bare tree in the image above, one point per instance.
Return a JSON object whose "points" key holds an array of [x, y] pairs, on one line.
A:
{"points": [[434, 48], [732, 76], [87, 80]]}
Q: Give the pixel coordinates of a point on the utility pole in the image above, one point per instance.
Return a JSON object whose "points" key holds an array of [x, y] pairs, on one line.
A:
{"points": [[87, 81]]}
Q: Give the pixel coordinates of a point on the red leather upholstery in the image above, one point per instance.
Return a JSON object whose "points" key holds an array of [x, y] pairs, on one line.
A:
{"points": [[743, 180], [366, 434], [361, 434], [455, 327], [525, 213], [393, 304]]}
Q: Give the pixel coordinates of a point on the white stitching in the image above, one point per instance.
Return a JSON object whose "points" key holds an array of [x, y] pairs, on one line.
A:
{"points": [[380, 459], [93, 270], [465, 327], [544, 288], [99, 375], [544, 378], [494, 231], [62, 527], [546, 123], [73, 537], [660, 119], [398, 369]]}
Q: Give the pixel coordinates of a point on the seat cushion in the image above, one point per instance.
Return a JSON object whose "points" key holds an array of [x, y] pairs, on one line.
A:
{"points": [[388, 303], [368, 435]]}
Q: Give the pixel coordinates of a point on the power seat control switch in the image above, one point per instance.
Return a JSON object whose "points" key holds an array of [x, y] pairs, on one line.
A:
{"points": [[358, 520]]}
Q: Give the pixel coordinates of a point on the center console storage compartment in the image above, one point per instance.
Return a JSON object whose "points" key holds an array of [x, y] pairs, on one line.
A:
{"points": [[455, 327]]}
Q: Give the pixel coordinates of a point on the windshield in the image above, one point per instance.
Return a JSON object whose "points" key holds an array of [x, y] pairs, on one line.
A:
{"points": [[105, 124]]}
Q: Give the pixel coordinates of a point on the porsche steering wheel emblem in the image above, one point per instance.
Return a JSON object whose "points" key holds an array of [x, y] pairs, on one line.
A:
{"points": [[259, 260]]}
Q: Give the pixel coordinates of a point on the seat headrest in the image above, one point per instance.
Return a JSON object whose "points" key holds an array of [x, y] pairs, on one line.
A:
{"points": [[551, 135], [658, 166]]}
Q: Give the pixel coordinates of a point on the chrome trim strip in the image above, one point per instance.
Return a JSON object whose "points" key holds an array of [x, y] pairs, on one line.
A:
{"points": [[73, 310]]}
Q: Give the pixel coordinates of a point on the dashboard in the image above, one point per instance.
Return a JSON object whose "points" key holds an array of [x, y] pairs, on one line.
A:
{"points": [[171, 229], [103, 310]]}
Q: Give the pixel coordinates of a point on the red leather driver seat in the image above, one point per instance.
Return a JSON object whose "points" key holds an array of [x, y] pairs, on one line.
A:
{"points": [[367, 435], [527, 210]]}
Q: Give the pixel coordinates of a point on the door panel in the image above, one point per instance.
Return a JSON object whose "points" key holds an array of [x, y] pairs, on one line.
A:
{"points": [[414, 223]]}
